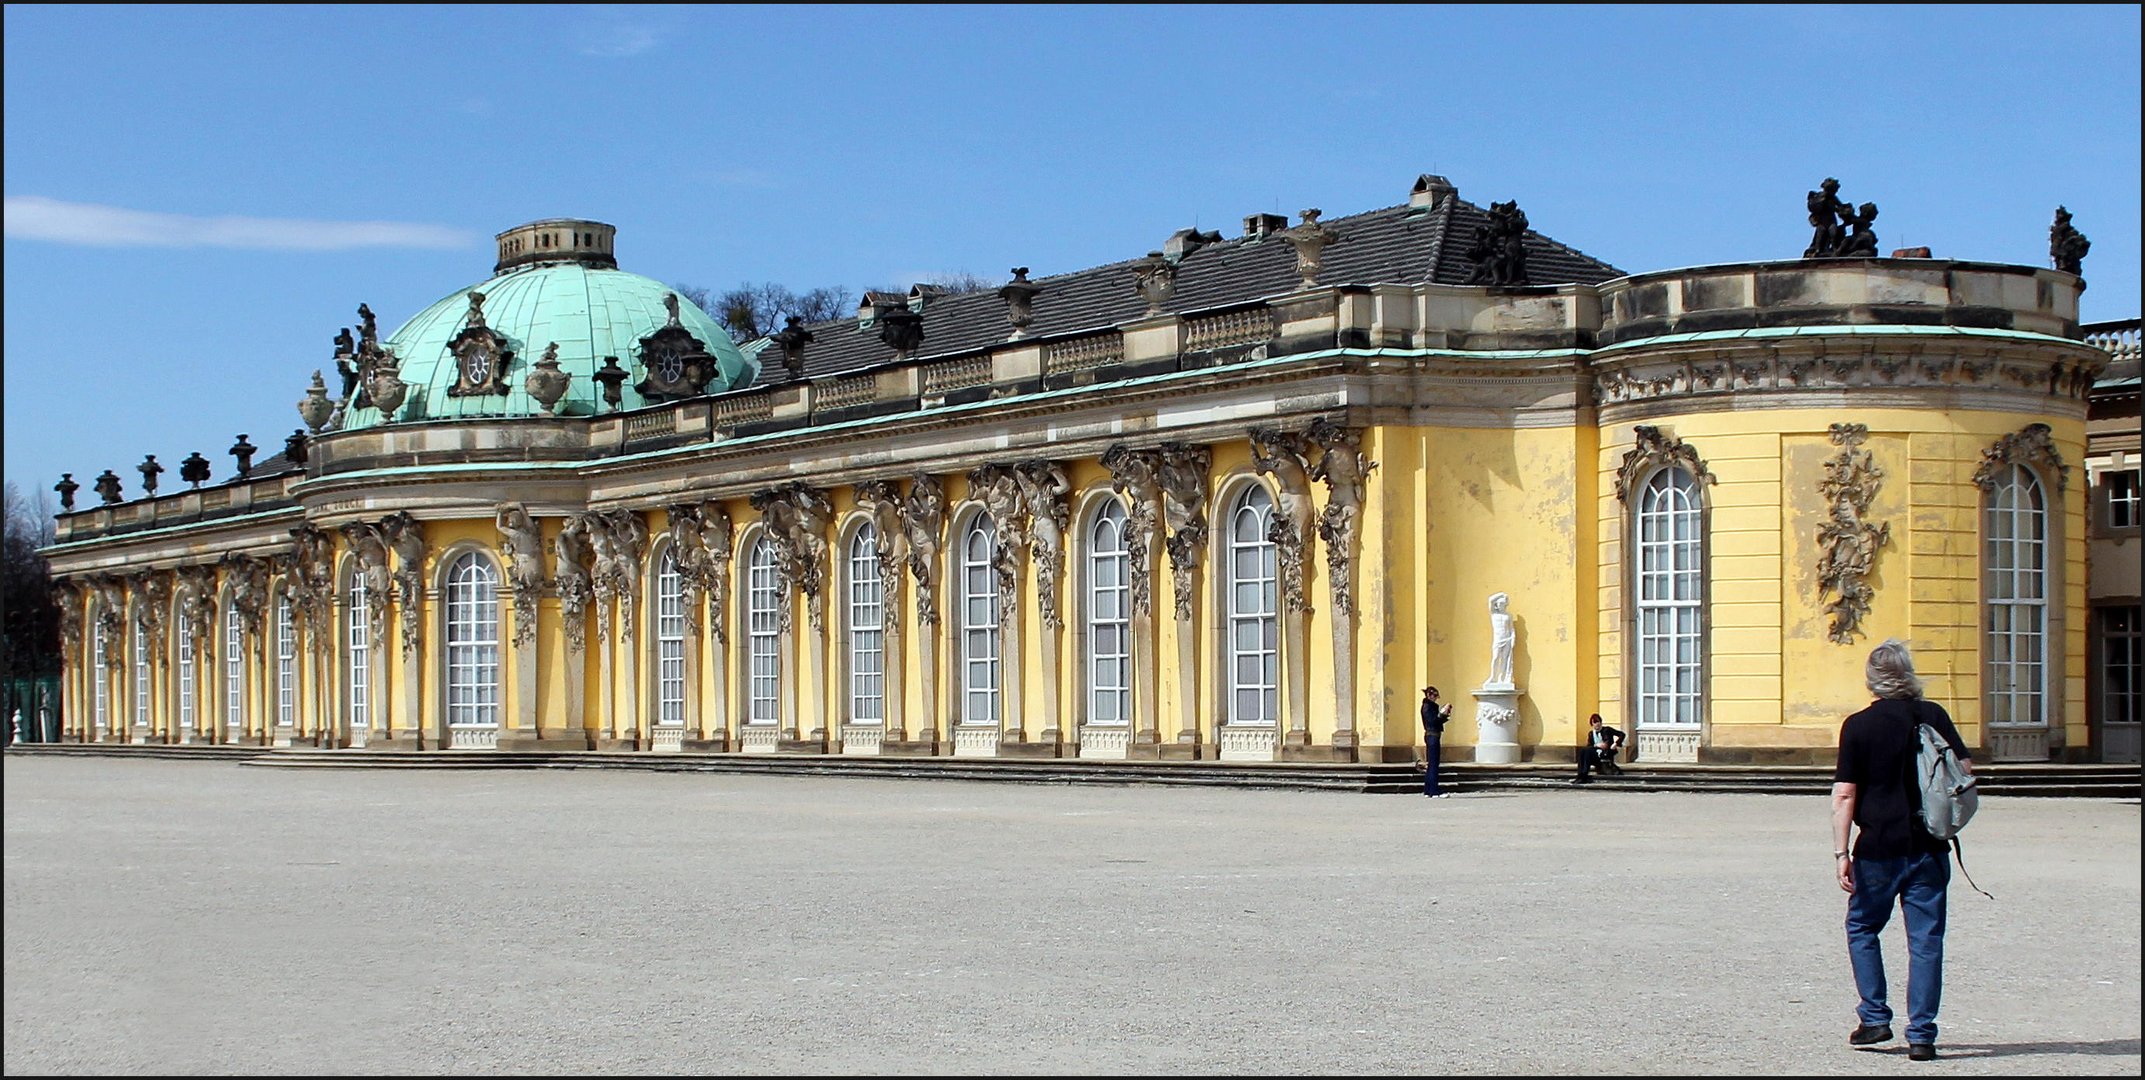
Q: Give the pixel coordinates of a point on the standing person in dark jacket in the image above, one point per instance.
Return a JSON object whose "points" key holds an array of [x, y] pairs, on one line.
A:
{"points": [[1894, 860], [1434, 719]]}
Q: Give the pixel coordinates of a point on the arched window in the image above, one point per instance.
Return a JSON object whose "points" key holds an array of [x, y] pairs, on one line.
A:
{"points": [[185, 626], [234, 669], [472, 643], [98, 676], [763, 628], [1670, 588], [867, 638], [1109, 642], [1254, 609], [286, 663], [141, 676], [669, 641], [358, 652], [979, 623], [2017, 591]]}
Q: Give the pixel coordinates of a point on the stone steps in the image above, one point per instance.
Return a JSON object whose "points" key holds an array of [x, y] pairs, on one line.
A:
{"points": [[2020, 779]]}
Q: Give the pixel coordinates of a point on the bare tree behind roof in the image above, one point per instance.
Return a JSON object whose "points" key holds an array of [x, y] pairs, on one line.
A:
{"points": [[754, 309], [29, 619]]}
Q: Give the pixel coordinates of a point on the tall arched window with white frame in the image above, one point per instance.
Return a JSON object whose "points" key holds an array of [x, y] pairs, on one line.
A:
{"points": [[2016, 528], [763, 636], [99, 676], [141, 675], [1109, 618], [184, 625], [357, 653], [472, 643], [1253, 596], [234, 669], [286, 663], [980, 697], [669, 641], [1670, 586], [867, 629]]}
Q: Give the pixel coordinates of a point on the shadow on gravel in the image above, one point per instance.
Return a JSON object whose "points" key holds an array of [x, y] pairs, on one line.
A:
{"points": [[2105, 1047]]}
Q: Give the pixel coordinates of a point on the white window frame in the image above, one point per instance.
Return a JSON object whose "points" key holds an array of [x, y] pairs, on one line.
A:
{"points": [[357, 655], [185, 626], [669, 641], [1252, 595], [99, 677], [867, 629], [234, 669], [2122, 488], [286, 663], [472, 654], [141, 676], [1109, 617], [763, 636], [2015, 600], [1668, 590], [982, 692]]}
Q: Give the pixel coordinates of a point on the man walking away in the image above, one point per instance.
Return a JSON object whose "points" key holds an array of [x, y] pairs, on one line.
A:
{"points": [[1434, 718], [1893, 858]]}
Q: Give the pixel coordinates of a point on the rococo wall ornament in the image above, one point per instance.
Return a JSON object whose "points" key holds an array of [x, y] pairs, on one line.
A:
{"points": [[1656, 448], [1848, 540], [2032, 446]]}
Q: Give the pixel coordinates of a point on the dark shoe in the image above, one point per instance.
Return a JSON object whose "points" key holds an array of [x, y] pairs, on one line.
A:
{"points": [[1921, 1051], [1870, 1035], [1581, 780]]}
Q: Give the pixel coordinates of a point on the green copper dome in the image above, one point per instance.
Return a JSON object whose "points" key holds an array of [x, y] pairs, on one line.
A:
{"points": [[590, 311]]}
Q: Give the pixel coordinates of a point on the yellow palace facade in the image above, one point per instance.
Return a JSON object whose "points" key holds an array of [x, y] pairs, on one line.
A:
{"points": [[1238, 500]]}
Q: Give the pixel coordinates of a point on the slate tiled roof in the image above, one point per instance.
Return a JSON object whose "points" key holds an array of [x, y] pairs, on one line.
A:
{"points": [[1395, 245]]}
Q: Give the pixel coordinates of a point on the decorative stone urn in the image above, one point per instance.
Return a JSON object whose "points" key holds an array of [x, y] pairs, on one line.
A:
{"points": [[315, 408], [387, 390], [546, 383]]}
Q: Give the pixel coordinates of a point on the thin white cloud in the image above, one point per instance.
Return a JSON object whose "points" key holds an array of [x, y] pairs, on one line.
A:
{"points": [[34, 217], [621, 41]]}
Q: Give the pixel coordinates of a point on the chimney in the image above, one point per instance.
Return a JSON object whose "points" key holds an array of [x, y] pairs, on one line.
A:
{"points": [[1258, 225], [1430, 190], [1185, 241]]}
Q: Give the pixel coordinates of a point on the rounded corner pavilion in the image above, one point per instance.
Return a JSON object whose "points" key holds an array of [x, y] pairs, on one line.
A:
{"points": [[1236, 500]]}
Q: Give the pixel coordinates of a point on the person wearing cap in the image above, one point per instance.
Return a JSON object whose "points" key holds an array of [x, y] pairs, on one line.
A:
{"points": [[1434, 718]]}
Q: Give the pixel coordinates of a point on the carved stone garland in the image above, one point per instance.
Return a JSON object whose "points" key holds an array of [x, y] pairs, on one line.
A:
{"points": [[2033, 446], [1847, 540], [1657, 449]]}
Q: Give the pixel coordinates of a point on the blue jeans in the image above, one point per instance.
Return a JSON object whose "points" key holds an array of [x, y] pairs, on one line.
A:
{"points": [[1430, 750], [1919, 884]]}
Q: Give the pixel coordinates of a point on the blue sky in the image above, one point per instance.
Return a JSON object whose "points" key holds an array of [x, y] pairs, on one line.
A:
{"points": [[369, 154]]}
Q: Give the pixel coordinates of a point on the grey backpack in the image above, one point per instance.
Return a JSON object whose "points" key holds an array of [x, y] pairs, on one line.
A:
{"points": [[1949, 796]]}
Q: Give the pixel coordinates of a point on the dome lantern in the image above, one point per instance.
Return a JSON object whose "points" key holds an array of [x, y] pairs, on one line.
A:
{"points": [[558, 240]]}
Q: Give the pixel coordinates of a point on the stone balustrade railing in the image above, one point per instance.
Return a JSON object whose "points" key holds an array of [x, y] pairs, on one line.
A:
{"points": [[2118, 339]]}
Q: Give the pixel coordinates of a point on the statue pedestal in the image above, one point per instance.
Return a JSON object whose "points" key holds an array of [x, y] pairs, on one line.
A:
{"points": [[1497, 724]]}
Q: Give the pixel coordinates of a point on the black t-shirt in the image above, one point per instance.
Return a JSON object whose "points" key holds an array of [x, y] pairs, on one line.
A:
{"points": [[1877, 747]]}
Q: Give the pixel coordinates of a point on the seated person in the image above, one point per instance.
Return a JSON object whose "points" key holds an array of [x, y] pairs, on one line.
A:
{"points": [[1602, 743]]}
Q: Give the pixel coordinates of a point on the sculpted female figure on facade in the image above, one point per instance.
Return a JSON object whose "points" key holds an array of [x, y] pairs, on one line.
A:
{"points": [[1345, 470], [881, 499], [1503, 636], [371, 554], [715, 542], [1183, 480], [1277, 453]]}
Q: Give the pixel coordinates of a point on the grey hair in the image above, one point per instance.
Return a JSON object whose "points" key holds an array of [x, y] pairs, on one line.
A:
{"points": [[1890, 671]]}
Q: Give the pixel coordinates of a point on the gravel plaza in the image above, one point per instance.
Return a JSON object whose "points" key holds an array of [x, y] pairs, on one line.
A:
{"points": [[214, 918]]}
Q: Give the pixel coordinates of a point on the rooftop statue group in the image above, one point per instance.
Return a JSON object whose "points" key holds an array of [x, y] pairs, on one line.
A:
{"points": [[1499, 251], [1840, 230]]}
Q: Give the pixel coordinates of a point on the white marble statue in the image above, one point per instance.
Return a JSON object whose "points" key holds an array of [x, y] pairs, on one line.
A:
{"points": [[1502, 638]]}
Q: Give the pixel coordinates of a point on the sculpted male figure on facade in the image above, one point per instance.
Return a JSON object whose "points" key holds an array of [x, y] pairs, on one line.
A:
{"points": [[521, 547], [1345, 470], [923, 518], [366, 545], [1279, 454], [1043, 489], [574, 553], [715, 542], [1133, 476], [881, 499]]}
